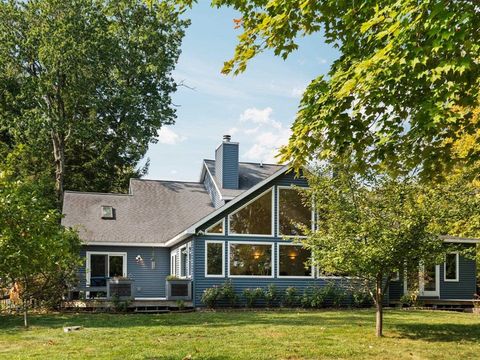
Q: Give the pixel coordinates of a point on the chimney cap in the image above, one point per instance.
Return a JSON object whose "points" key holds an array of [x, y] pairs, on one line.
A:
{"points": [[227, 138]]}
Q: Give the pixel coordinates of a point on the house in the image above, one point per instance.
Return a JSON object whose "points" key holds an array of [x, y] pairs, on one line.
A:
{"points": [[231, 224]]}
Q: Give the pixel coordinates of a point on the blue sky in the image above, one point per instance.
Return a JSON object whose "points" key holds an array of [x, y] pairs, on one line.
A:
{"points": [[257, 107]]}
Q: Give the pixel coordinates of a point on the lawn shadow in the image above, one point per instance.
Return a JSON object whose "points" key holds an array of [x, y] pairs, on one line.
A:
{"points": [[443, 332]]}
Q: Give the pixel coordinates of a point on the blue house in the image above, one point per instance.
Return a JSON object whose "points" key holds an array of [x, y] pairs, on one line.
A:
{"points": [[231, 224]]}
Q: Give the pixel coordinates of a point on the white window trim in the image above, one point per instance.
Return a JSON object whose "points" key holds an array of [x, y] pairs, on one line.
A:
{"points": [[272, 233], [173, 263], [312, 219], [178, 254], [206, 259], [457, 270], [312, 275], [108, 253], [421, 282], [272, 244], [217, 234]]}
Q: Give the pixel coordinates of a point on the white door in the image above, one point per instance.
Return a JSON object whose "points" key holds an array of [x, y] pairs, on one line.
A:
{"points": [[429, 280]]}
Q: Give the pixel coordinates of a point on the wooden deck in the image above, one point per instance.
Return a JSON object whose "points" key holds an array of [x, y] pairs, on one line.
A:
{"points": [[137, 305]]}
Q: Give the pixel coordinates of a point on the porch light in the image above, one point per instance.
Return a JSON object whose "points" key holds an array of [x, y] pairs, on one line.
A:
{"points": [[139, 259]]}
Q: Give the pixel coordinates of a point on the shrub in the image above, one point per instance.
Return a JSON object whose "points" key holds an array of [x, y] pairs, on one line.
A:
{"points": [[211, 296], [180, 305], [290, 298], [361, 299], [271, 295], [120, 305], [317, 298], [172, 277], [334, 294], [228, 293], [252, 295]]}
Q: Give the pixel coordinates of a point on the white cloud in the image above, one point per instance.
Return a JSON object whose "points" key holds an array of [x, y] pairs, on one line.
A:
{"points": [[322, 60], [297, 92], [169, 137], [263, 140], [257, 116]]}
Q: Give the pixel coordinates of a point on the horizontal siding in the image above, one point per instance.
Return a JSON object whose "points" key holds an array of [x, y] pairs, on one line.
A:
{"points": [[465, 287], [149, 283]]}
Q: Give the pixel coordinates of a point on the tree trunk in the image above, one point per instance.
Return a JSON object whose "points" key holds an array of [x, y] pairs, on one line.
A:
{"points": [[59, 157], [379, 308], [25, 315]]}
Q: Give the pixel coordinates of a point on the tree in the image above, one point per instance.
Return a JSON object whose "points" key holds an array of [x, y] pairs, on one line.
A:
{"points": [[87, 85], [403, 89], [370, 227], [37, 255]]}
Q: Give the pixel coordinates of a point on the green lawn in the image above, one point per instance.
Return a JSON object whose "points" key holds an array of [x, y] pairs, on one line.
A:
{"points": [[347, 334]]}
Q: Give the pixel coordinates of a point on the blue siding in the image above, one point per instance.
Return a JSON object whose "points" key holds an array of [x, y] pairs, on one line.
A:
{"points": [[149, 283], [464, 289], [449, 290], [226, 165]]}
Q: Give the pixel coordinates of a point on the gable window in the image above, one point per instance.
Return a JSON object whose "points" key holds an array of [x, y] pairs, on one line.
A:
{"points": [[250, 259], [214, 258], [216, 229], [293, 214], [451, 268], [103, 266], [293, 261], [254, 218]]}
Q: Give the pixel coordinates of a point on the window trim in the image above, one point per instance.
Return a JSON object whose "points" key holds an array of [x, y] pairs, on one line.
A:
{"points": [[206, 259], [180, 264], [457, 267], [272, 245], [272, 225], [217, 234], [397, 276], [173, 263], [312, 217], [108, 253], [421, 282], [312, 275]]}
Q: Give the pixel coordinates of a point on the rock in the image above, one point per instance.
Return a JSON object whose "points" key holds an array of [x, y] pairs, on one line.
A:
{"points": [[68, 329]]}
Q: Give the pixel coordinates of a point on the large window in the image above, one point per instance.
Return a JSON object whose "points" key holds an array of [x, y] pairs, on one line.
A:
{"points": [[255, 218], [293, 261], [252, 259], [292, 213], [451, 267], [214, 258]]}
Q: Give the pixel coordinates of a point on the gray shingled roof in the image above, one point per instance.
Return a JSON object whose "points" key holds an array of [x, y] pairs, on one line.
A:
{"points": [[249, 175], [153, 212]]}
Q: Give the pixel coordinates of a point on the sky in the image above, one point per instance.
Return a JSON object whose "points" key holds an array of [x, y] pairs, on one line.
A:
{"points": [[256, 108]]}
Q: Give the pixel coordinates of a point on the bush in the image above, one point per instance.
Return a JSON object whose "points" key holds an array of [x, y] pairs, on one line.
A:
{"points": [[120, 305], [361, 299], [228, 293], [211, 296], [334, 294], [314, 297], [252, 295], [290, 298], [271, 295]]}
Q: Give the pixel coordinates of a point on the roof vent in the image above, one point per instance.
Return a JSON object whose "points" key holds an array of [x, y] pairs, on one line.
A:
{"points": [[227, 138], [107, 212]]}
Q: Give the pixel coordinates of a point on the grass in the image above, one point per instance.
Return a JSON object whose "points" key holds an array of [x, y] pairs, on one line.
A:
{"points": [[346, 334]]}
